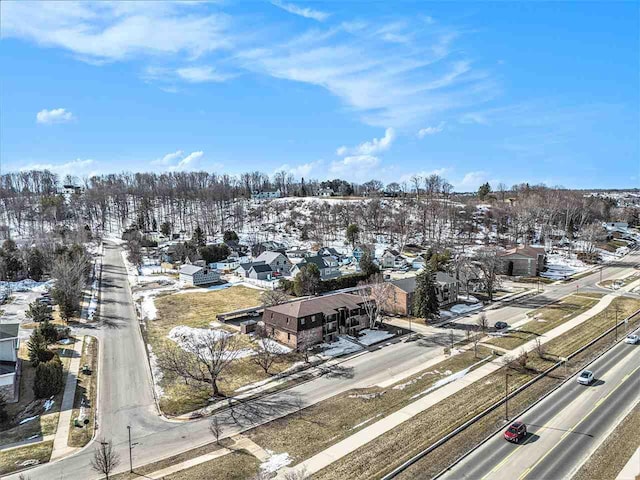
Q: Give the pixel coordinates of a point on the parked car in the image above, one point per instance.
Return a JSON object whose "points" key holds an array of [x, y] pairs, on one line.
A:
{"points": [[632, 339], [516, 432], [585, 378], [253, 314], [501, 325]]}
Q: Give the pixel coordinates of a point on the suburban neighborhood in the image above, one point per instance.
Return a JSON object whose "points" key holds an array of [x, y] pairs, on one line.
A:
{"points": [[319, 240]]}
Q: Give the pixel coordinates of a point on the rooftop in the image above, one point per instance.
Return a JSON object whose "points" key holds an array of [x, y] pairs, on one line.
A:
{"points": [[327, 304]]}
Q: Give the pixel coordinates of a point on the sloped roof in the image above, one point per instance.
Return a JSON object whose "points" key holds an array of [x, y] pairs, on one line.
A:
{"points": [[260, 268], [408, 285], [327, 304], [189, 269], [527, 251], [9, 330], [269, 256]]}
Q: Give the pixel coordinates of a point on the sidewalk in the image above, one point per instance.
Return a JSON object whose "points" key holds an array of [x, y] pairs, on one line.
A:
{"points": [[367, 434], [22, 443], [60, 447], [631, 470]]}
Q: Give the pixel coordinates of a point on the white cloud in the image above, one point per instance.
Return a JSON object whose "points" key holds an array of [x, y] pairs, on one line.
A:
{"points": [[110, 31], [432, 130], [168, 158], [303, 170], [375, 146], [201, 74], [57, 115], [303, 12], [355, 166], [76, 167], [471, 181], [189, 162], [441, 172]]}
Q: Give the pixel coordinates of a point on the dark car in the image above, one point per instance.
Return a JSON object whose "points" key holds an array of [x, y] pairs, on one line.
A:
{"points": [[516, 432], [501, 325]]}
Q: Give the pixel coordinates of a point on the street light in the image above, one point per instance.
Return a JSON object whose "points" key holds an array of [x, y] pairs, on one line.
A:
{"points": [[131, 445]]}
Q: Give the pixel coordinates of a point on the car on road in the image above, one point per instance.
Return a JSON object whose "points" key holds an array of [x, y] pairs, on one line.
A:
{"points": [[516, 432], [501, 325], [632, 339], [586, 377]]}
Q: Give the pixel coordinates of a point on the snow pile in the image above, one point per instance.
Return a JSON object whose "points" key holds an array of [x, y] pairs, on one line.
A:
{"points": [[28, 419], [367, 396], [48, 405], [148, 307], [275, 462], [461, 309], [365, 422], [183, 334], [27, 285], [156, 372], [273, 346], [444, 381], [369, 337], [561, 265], [342, 346], [402, 386]]}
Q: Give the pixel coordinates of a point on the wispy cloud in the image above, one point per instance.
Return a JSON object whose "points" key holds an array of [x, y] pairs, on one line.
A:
{"points": [[76, 167], [303, 170], [305, 12], [375, 146], [471, 181], [432, 130], [355, 167], [57, 115], [177, 161], [169, 158], [202, 74]]}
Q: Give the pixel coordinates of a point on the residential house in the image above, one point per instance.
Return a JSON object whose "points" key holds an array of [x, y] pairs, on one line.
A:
{"points": [[328, 266], [360, 250], [9, 361], [326, 192], [236, 248], [418, 262], [243, 268], [523, 261], [279, 262], [226, 265], [330, 251], [268, 246], [392, 259], [196, 275], [308, 322], [619, 227], [260, 271], [267, 194], [403, 290]]}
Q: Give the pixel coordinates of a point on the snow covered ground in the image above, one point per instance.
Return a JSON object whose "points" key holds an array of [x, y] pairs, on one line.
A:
{"points": [[276, 462], [561, 265], [369, 337], [341, 346]]}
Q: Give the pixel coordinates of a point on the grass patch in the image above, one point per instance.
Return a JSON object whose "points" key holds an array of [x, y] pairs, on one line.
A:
{"points": [[237, 465], [28, 405], [86, 388], [398, 445], [141, 472], [621, 282], [198, 310], [547, 318], [613, 245], [305, 433], [534, 280], [614, 453], [10, 461]]}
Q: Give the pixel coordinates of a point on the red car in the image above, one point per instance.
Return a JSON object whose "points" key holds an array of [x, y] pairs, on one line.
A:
{"points": [[516, 432]]}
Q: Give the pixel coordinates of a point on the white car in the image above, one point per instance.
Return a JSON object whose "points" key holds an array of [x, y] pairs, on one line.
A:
{"points": [[632, 339], [585, 378]]}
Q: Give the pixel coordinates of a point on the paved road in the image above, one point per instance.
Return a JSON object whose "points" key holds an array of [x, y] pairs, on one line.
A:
{"points": [[565, 428], [125, 393]]}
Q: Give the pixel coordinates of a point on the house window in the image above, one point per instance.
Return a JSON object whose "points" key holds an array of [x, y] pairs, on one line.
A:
{"points": [[313, 318], [287, 320], [302, 321], [288, 337]]}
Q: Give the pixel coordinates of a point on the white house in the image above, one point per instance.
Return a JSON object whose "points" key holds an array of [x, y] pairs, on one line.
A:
{"points": [[326, 192], [278, 262], [620, 227], [266, 194], [226, 265], [9, 362], [392, 259], [196, 275]]}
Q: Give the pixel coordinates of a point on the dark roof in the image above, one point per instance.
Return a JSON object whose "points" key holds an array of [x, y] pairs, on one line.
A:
{"points": [[408, 284], [318, 260], [527, 251], [328, 304], [393, 252], [9, 330], [329, 251], [261, 267], [247, 266]]}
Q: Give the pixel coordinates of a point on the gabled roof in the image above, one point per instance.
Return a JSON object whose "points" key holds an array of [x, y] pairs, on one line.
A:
{"points": [[408, 285], [269, 256], [393, 252], [260, 268], [319, 260], [9, 330], [189, 269], [329, 251], [527, 251], [327, 304], [247, 266]]}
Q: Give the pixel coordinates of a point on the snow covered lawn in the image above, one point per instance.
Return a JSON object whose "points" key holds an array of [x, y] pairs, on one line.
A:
{"points": [[369, 337], [342, 346]]}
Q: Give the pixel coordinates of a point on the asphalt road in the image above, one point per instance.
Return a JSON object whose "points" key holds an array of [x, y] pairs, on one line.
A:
{"points": [[565, 428], [125, 392]]}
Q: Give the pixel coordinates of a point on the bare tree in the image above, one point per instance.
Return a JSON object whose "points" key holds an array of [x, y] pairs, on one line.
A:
{"points": [[475, 339], [270, 298], [376, 298], [105, 459], [215, 428], [267, 350], [541, 349], [490, 264], [483, 322], [203, 357]]}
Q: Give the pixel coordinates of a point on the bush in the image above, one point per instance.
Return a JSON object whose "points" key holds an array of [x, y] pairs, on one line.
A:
{"points": [[4, 415], [49, 378], [346, 281]]}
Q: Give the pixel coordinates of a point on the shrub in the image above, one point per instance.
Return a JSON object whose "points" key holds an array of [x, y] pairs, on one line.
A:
{"points": [[48, 379]]}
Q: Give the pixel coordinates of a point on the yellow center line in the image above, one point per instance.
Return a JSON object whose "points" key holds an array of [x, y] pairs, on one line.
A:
{"points": [[598, 403]]}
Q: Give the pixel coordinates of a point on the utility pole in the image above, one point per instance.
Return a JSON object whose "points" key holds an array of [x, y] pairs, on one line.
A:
{"points": [[506, 396], [130, 448]]}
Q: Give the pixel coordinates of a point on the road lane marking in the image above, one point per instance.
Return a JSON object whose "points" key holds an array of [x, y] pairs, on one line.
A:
{"points": [[624, 379]]}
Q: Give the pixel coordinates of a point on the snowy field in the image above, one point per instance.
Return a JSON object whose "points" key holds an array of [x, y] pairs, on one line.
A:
{"points": [[369, 337]]}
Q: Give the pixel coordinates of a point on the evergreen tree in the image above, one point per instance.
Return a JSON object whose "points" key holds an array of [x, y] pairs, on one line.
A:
{"points": [[35, 263], [307, 281], [484, 190], [367, 265], [352, 233], [37, 345], [229, 236], [165, 228], [198, 237], [48, 379], [425, 299], [38, 312]]}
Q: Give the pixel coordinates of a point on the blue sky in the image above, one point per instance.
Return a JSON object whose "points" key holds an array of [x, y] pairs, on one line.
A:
{"points": [[499, 92]]}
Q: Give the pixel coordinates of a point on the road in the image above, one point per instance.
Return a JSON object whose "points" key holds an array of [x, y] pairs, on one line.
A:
{"points": [[565, 428], [125, 389]]}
